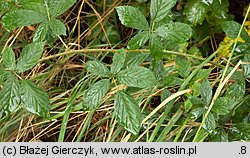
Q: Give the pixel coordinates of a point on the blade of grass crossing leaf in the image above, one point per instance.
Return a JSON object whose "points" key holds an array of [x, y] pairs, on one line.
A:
{"points": [[222, 81], [86, 124], [77, 89], [185, 83], [169, 126], [158, 126]]}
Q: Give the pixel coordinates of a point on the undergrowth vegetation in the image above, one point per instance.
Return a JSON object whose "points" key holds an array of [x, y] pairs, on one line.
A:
{"points": [[119, 71]]}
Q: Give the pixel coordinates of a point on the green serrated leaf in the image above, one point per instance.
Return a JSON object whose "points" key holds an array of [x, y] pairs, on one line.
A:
{"points": [[29, 56], [183, 66], [202, 135], [188, 105], [35, 5], [172, 80], [137, 77], [50, 38], [41, 32], [159, 9], [219, 135], [223, 105], [3, 76], [21, 17], [95, 93], [197, 112], [195, 11], [241, 131], [237, 90], [196, 101], [118, 61], [246, 67], [206, 92], [138, 40], [58, 7], [132, 17], [209, 123], [35, 99], [177, 32], [159, 70], [127, 112], [202, 74], [10, 94], [220, 9], [9, 59], [156, 48], [57, 27], [232, 28], [164, 95], [97, 68], [134, 59]]}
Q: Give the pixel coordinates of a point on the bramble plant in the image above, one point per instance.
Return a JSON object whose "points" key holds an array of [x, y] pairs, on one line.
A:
{"points": [[159, 70]]}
